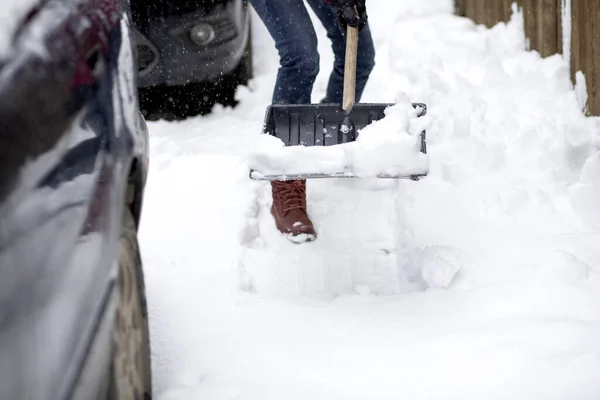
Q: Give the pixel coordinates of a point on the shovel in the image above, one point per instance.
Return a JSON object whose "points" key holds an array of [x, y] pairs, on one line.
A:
{"points": [[328, 124]]}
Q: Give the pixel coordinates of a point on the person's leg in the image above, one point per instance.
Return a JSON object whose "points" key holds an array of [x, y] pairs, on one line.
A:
{"points": [[290, 25], [365, 59], [291, 28]]}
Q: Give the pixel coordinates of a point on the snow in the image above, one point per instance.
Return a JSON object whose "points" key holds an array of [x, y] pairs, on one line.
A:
{"points": [[480, 281], [581, 89], [12, 13], [271, 157], [388, 147]]}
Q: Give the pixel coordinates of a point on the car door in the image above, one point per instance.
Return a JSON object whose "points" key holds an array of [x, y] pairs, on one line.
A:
{"points": [[66, 141]]}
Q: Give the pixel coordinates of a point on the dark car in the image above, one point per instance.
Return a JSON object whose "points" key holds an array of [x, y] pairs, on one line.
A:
{"points": [[73, 165], [192, 54]]}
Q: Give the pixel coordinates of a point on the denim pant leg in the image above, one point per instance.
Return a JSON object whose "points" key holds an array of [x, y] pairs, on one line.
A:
{"points": [[291, 28], [365, 59]]}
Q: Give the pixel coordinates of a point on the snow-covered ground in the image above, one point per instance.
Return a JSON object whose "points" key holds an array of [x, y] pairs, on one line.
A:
{"points": [[481, 281]]}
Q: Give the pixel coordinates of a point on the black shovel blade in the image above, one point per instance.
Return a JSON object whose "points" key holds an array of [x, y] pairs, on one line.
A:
{"points": [[323, 125]]}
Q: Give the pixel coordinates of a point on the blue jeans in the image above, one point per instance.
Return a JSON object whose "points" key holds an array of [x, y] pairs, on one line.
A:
{"points": [[290, 25]]}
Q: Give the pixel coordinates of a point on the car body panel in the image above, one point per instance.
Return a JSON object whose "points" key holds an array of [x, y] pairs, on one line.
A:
{"points": [[69, 132]]}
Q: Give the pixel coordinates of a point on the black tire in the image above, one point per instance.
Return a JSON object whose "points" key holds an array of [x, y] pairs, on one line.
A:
{"points": [[245, 70], [242, 74], [131, 375]]}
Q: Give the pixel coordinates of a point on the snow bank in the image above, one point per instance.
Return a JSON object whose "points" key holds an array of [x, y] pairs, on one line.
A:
{"points": [[388, 147], [12, 13], [499, 244], [585, 194], [272, 157]]}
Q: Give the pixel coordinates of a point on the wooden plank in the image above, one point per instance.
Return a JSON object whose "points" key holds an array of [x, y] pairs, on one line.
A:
{"points": [[543, 28], [483, 12], [542, 19], [498, 12], [523, 5], [558, 22], [584, 39], [531, 23], [506, 11], [585, 45], [460, 7], [487, 13], [472, 10], [594, 58], [468, 4], [575, 39], [547, 27], [479, 12]]}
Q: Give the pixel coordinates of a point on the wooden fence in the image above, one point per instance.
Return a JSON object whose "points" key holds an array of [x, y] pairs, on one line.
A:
{"points": [[543, 29]]}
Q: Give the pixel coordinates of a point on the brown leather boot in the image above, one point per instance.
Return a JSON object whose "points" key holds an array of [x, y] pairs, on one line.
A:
{"points": [[289, 210]]}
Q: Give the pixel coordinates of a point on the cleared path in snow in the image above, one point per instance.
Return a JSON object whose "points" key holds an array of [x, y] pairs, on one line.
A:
{"points": [[481, 281]]}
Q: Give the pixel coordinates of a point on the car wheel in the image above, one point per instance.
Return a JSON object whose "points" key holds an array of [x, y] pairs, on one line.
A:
{"points": [[245, 70], [226, 88], [173, 103], [130, 371]]}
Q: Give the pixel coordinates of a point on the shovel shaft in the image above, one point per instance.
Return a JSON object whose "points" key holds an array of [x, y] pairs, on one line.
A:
{"points": [[350, 68]]}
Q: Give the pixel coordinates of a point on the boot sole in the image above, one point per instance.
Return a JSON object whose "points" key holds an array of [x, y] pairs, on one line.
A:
{"points": [[300, 238], [296, 239]]}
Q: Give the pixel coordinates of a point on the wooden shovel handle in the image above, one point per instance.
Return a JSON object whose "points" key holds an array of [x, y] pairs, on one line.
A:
{"points": [[350, 68]]}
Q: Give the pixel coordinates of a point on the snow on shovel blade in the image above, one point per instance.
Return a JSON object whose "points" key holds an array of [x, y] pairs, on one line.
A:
{"points": [[317, 131]]}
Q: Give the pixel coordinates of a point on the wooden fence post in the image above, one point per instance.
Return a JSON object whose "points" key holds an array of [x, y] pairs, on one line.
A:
{"points": [[460, 8], [593, 71], [543, 29]]}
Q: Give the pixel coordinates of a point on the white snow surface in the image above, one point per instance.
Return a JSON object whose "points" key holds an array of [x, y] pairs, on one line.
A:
{"points": [[12, 13], [481, 281], [388, 147]]}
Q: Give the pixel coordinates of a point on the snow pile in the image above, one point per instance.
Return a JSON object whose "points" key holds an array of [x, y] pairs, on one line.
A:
{"points": [[481, 281], [560, 267], [390, 146], [585, 194], [272, 157], [439, 266], [12, 13]]}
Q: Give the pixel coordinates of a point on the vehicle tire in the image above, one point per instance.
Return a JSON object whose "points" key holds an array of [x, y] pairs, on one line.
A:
{"points": [[131, 376], [153, 103], [245, 70], [173, 103], [226, 88]]}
